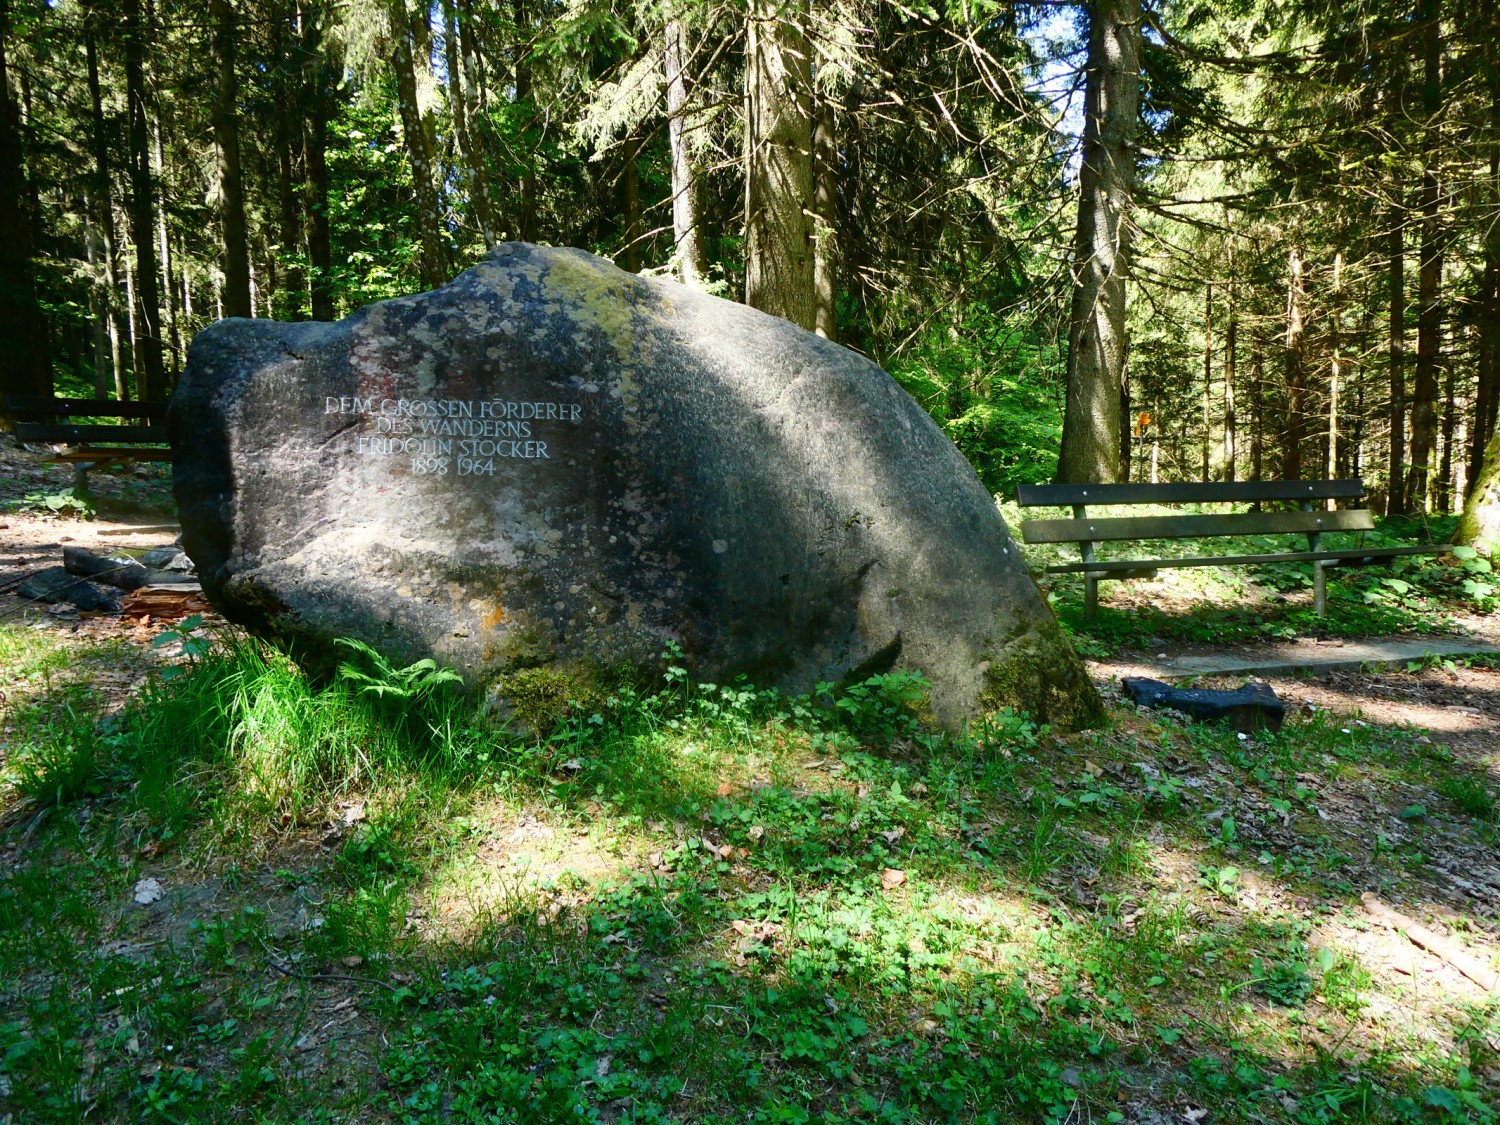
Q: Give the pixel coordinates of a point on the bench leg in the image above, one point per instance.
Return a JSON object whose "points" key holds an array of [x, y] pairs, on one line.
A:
{"points": [[1090, 596], [81, 477], [1320, 589]]}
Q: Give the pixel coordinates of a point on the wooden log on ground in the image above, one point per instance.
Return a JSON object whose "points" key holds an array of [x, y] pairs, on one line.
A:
{"points": [[1418, 934]]}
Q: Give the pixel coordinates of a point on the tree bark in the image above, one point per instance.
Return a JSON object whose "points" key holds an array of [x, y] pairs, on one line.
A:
{"points": [[98, 302], [1231, 334], [691, 254], [1208, 373], [778, 162], [526, 212], [1257, 412], [146, 316], [461, 99], [630, 191], [825, 194], [1444, 487], [25, 365], [1479, 526], [1429, 278], [104, 208], [315, 165], [1488, 397], [1293, 422], [1091, 444], [431, 265], [172, 341], [1335, 362], [1396, 351], [231, 171]]}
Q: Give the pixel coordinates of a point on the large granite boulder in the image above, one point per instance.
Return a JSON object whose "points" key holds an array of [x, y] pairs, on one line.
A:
{"points": [[550, 463]]}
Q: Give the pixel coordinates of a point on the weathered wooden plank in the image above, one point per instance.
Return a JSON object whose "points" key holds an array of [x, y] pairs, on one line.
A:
{"points": [[33, 405], [1112, 568], [67, 431], [1192, 527], [1187, 492], [99, 453]]}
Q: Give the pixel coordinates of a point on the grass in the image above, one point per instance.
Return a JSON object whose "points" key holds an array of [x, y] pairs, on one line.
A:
{"points": [[703, 903]]}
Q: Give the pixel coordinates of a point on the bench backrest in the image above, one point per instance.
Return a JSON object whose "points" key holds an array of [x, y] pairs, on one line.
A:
{"points": [[1188, 492], [68, 432], [1086, 529], [40, 406]]}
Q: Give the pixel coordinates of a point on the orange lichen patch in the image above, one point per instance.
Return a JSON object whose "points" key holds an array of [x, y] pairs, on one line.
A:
{"points": [[495, 618]]}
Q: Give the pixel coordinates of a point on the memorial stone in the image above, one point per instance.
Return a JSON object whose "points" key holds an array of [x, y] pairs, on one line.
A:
{"points": [[552, 464]]}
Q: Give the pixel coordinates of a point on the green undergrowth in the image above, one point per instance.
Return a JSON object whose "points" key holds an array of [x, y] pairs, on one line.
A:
{"points": [[1419, 594], [702, 903]]}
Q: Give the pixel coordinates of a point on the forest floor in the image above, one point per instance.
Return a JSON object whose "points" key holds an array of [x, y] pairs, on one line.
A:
{"points": [[227, 894]]}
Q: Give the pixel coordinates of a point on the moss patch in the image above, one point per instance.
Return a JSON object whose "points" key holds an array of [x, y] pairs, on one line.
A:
{"points": [[1042, 677], [535, 700]]}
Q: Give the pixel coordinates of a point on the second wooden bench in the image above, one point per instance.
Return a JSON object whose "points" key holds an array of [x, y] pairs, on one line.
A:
{"points": [[1310, 520], [37, 420]]}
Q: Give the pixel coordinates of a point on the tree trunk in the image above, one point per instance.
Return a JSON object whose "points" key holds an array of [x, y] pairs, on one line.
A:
{"points": [[825, 189], [150, 375], [1396, 350], [1488, 398], [418, 149], [1334, 362], [1101, 252], [460, 97], [1257, 412], [630, 192], [98, 302], [1231, 334], [1293, 422], [1429, 280], [778, 163], [231, 173], [1479, 526], [1208, 373], [25, 366], [103, 198], [687, 212], [526, 213], [315, 166], [172, 340], [1445, 486], [292, 283]]}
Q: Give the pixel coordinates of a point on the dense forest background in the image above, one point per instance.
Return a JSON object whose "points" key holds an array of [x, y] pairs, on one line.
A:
{"points": [[1298, 200]]}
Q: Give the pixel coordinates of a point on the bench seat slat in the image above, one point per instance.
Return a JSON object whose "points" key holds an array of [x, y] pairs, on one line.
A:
{"points": [[1192, 527], [63, 431], [40, 405], [1187, 492], [99, 454], [1333, 557]]}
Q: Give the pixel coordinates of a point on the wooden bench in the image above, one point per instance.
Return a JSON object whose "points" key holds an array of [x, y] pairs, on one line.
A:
{"points": [[41, 421], [1310, 520]]}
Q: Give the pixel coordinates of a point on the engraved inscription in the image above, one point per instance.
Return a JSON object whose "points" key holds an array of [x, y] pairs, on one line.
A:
{"points": [[460, 436]]}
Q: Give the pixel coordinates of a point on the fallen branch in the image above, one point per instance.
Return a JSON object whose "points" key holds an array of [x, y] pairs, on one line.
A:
{"points": [[1439, 946], [285, 971]]}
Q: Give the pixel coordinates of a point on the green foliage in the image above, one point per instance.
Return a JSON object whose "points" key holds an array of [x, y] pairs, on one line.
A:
{"points": [[69, 503], [992, 387]]}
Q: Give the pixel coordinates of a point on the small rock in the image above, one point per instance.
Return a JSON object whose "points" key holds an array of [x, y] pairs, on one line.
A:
{"points": [[148, 890], [55, 585], [891, 878]]}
